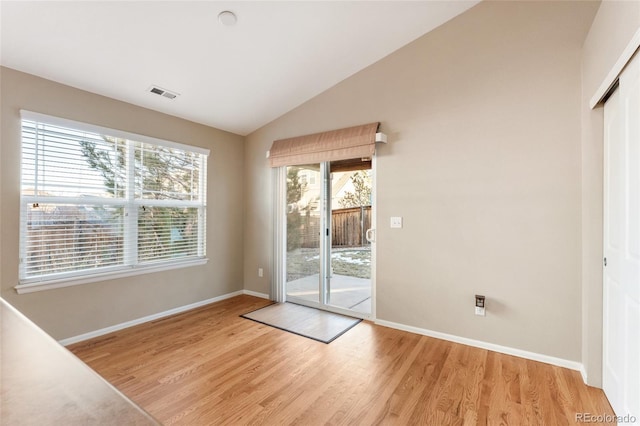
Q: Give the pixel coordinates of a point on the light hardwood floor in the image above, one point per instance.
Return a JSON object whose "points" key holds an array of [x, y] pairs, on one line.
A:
{"points": [[209, 366]]}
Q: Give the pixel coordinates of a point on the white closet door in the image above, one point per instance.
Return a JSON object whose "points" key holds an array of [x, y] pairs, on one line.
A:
{"points": [[621, 316]]}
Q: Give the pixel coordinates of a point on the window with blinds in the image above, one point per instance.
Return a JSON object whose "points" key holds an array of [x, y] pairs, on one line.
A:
{"points": [[96, 200]]}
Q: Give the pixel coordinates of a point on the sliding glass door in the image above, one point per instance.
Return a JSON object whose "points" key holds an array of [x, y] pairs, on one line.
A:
{"points": [[328, 259]]}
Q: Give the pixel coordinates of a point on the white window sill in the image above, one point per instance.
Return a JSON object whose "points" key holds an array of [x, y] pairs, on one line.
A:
{"points": [[123, 272]]}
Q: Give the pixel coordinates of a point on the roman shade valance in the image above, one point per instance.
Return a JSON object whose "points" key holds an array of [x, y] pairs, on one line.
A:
{"points": [[343, 144]]}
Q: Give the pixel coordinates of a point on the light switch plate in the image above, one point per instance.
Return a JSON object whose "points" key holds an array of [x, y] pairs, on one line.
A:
{"points": [[396, 222]]}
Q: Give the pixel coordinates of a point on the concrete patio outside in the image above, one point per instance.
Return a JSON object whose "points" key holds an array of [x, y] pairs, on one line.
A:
{"points": [[345, 292]]}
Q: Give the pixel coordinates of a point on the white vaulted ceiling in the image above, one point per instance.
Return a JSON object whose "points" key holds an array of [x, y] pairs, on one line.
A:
{"points": [[237, 78]]}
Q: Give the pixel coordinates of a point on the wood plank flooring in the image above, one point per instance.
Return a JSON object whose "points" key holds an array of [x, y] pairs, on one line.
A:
{"points": [[209, 366]]}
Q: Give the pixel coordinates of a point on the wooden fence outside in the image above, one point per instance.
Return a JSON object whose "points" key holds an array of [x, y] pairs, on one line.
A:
{"points": [[68, 245], [348, 228]]}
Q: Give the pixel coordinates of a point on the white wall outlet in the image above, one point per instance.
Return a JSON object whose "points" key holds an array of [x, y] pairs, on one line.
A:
{"points": [[396, 222], [260, 272], [480, 311]]}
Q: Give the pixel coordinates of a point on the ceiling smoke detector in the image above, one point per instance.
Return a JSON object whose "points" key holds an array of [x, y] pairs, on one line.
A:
{"points": [[162, 92], [227, 18]]}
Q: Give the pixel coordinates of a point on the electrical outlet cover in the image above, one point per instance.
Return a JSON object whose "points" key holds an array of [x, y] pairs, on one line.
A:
{"points": [[396, 222]]}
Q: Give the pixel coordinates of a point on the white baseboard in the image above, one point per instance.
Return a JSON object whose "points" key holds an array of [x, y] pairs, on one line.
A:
{"points": [[256, 294], [572, 365], [583, 372], [117, 327]]}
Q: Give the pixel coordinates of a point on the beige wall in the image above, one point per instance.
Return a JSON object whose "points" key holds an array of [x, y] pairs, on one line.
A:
{"points": [[613, 27], [75, 310], [483, 163]]}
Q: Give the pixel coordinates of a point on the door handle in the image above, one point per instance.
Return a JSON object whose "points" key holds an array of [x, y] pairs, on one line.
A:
{"points": [[370, 235]]}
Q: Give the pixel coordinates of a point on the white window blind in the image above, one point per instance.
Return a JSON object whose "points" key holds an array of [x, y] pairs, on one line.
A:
{"points": [[96, 200]]}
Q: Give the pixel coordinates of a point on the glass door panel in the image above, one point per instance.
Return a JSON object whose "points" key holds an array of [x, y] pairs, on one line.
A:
{"points": [[349, 286], [304, 220]]}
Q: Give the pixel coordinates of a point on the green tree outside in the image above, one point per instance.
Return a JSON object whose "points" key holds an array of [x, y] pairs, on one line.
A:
{"points": [[295, 190], [361, 195]]}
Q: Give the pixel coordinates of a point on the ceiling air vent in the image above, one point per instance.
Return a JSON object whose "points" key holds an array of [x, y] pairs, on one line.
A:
{"points": [[162, 92]]}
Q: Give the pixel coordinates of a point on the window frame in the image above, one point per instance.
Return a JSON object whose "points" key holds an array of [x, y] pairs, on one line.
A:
{"points": [[131, 266]]}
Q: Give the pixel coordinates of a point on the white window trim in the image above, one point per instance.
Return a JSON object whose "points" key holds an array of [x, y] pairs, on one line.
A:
{"points": [[68, 279]]}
